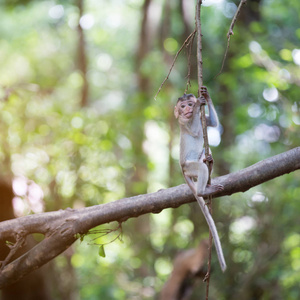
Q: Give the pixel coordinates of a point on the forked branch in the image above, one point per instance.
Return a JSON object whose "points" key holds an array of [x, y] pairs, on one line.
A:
{"points": [[61, 228]]}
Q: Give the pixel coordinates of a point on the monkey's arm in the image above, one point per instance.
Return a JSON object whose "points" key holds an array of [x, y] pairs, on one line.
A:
{"points": [[212, 117], [194, 126]]}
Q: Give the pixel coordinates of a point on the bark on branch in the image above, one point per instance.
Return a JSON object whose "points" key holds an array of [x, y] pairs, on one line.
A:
{"points": [[61, 227]]}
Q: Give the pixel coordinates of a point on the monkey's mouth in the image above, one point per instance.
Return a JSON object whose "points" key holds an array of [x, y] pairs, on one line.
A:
{"points": [[188, 115]]}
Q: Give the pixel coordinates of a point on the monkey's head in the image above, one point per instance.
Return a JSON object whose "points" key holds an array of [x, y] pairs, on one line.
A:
{"points": [[184, 107]]}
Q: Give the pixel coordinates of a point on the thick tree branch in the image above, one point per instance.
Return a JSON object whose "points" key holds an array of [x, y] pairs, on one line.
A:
{"points": [[60, 227]]}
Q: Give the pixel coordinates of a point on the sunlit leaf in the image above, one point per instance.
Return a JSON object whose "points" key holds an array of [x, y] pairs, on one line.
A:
{"points": [[101, 251]]}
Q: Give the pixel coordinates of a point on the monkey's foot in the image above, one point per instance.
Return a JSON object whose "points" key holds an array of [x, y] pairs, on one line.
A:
{"points": [[212, 189], [209, 158]]}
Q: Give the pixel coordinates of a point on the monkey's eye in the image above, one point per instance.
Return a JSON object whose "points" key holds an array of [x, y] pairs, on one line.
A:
{"points": [[190, 104], [182, 106]]}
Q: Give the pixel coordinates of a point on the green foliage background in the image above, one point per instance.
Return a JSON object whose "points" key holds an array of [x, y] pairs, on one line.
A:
{"points": [[125, 143]]}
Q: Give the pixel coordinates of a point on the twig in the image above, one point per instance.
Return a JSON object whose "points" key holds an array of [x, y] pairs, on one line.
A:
{"points": [[230, 33], [20, 241], [190, 45], [186, 42], [210, 241], [234, 19], [104, 232]]}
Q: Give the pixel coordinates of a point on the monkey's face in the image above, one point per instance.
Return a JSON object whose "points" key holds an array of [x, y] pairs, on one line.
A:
{"points": [[184, 109]]}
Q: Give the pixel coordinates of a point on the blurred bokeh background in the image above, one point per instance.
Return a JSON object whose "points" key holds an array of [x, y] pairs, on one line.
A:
{"points": [[79, 127]]}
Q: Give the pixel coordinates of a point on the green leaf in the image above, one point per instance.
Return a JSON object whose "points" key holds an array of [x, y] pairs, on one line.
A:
{"points": [[102, 251], [77, 235]]}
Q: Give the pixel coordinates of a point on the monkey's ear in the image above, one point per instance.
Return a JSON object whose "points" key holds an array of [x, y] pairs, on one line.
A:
{"points": [[176, 112]]}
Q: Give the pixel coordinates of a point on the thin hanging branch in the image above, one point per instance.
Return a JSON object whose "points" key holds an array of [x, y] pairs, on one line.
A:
{"points": [[186, 43], [190, 47], [234, 19], [204, 127], [230, 33], [82, 57], [200, 74]]}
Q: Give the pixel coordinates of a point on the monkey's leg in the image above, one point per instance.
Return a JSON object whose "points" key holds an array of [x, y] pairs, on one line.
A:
{"points": [[202, 178], [190, 170], [190, 183], [203, 173]]}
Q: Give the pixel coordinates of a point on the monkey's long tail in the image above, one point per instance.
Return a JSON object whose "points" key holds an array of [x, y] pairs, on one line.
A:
{"points": [[213, 229]]}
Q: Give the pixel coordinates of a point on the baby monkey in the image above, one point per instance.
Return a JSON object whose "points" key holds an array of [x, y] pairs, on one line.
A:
{"points": [[192, 155]]}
